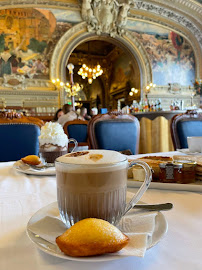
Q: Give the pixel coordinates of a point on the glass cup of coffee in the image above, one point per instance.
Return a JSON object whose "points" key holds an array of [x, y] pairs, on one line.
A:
{"points": [[93, 184]]}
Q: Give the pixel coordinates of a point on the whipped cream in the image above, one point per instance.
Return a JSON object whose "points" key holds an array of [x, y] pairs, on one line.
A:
{"points": [[53, 133]]}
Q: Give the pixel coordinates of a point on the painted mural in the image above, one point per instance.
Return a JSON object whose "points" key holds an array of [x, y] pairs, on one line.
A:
{"points": [[123, 74], [171, 56], [28, 37]]}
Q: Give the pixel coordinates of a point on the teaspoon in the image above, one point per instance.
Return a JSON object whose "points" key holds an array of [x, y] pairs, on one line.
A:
{"points": [[155, 207]]}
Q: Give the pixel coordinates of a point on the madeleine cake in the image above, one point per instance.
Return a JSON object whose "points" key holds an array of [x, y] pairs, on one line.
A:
{"points": [[91, 236]]}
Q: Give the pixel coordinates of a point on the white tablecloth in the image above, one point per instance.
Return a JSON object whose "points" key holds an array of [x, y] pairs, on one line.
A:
{"points": [[22, 195]]}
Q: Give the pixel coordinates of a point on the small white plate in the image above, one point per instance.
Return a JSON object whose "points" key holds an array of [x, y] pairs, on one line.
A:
{"points": [[187, 152], [160, 230], [21, 167]]}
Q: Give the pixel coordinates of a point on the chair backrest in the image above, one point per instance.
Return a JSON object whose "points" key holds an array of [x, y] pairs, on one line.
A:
{"points": [[185, 125], [78, 130], [114, 131], [18, 136]]}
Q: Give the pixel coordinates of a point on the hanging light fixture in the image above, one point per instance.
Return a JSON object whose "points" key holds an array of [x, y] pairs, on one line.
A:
{"points": [[91, 73]]}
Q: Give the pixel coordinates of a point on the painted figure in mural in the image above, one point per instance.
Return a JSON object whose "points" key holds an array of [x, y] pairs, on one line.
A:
{"points": [[177, 41], [39, 66], [5, 62], [14, 63]]}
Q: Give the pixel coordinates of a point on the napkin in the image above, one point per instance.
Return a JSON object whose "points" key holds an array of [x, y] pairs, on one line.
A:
{"points": [[138, 226]]}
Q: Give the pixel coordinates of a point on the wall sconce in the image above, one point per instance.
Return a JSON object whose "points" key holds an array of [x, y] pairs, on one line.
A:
{"points": [[133, 91], [59, 86], [148, 88]]}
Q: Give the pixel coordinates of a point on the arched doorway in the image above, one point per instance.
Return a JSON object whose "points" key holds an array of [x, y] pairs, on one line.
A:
{"points": [[119, 73], [79, 34]]}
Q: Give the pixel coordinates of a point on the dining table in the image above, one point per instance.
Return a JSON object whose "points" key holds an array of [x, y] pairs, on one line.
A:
{"points": [[23, 194]]}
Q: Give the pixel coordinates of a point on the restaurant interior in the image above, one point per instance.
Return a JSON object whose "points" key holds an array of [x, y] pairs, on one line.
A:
{"points": [[127, 75]]}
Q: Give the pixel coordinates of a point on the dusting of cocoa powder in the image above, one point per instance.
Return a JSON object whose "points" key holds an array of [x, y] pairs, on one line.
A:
{"points": [[77, 154]]}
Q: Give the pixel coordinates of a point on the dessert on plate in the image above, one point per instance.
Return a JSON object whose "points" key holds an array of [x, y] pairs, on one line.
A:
{"points": [[137, 173], [91, 236], [53, 142], [31, 160]]}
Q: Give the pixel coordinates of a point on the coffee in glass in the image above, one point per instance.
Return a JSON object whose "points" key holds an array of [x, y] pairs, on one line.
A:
{"points": [[91, 183]]}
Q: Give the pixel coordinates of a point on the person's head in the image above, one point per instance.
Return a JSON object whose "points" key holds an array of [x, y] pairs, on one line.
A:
{"points": [[58, 113], [67, 108], [83, 111]]}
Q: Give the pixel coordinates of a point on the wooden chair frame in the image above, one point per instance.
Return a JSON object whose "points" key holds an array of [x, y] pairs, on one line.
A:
{"points": [[110, 116], [190, 115], [76, 122], [18, 118]]}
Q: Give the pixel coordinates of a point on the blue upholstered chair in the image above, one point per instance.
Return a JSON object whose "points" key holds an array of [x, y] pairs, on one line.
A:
{"points": [[114, 131], [78, 130], [185, 125], [18, 136]]}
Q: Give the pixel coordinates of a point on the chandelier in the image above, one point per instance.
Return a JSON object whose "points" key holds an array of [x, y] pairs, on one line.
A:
{"points": [[72, 90], [90, 72]]}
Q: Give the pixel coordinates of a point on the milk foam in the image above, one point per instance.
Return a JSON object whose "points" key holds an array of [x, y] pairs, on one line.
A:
{"points": [[108, 157], [53, 133], [102, 164]]}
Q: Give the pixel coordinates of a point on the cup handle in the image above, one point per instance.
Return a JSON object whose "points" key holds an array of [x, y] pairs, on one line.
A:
{"points": [[75, 143], [144, 186]]}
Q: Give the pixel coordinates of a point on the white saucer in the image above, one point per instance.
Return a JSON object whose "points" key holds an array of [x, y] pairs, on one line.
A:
{"points": [[25, 168], [160, 230]]}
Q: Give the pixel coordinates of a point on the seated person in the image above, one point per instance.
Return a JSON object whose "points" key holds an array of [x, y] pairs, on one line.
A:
{"points": [[83, 114], [57, 115], [69, 114]]}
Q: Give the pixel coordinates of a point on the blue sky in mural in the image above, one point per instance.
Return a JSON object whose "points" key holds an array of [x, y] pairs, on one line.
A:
{"points": [[66, 15], [171, 56]]}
